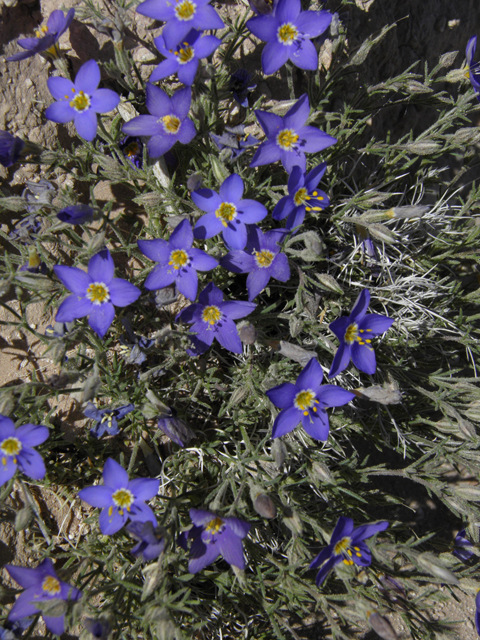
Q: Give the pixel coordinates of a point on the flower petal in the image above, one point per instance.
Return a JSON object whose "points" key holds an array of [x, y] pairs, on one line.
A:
{"points": [[269, 122], [333, 396], [263, 27], [231, 549], [256, 282], [187, 131], [31, 435], [325, 570], [201, 555], [363, 357], [158, 145], [86, 124], [313, 23], [231, 189], [165, 68], [97, 496], [311, 377], [252, 211], [286, 421], [101, 317], [60, 112], [235, 309], [279, 268], [235, 235], [208, 226], [228, 336], [110, 524], [274, 56], [114, 475], [297, 115], [55, 624], [60, 88], [181, 101], [287, 11], [157, 101], [7, 469], [7, 428], [26, 577], [376, 324], [305, 56], [24, 605], [317, 426], [201, 261], [104, 100], [31, 463], [122, 292], [206, 200], [140, 512], [142, 126], [72, 308], [340, 360], [88, 77], [158, 250], [160, 278], [75, 280], [360, 307], [156, 10], [284, 206], [187, 282], [101, 267], [283, 395], [144, 488], [314, 140]]}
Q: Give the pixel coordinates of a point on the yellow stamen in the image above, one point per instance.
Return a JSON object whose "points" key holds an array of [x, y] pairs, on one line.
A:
{"points": [[185, 10], [226, 212], [286, 139], [51, 585], [351, 333], [123, 498], [185, 55], [98, 293], [41, 32], [341, 546], [178, 258], [171, 123], [304, 400], [211, 315], [287, 33], [264, 258], [11, 447], [300, 197], [214, 525], [81, 102]]}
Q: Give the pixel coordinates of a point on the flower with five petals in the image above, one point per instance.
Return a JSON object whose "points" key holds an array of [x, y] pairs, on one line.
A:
{"points": [[16, 449], [46, 36]]}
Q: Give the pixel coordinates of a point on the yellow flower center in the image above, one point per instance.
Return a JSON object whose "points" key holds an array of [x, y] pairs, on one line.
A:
{"points": [[11, 446], [304, 400], [185, 10], [171, 124], [264, 258], [286, 139], [98, 293], [341, 546], [211, 315], [185, 54], [34, 259], [226, 212], [41, 32], [51, 585], [351, 333], [178, 258], [132, 149], [287, 33], [300, 197], [81, 102], [467, 73], [214, 526], [123, 498]]}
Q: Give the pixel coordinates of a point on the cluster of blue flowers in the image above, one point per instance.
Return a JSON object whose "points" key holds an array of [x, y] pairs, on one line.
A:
{"points": [[288, 32]]}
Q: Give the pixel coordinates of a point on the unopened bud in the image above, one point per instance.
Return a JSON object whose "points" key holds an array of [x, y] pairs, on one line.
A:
{"points": [[279, 452], [265, 506], [381, 625], [433, 565]]}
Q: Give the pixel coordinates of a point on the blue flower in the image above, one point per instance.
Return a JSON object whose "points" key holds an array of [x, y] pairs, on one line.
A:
{"points": [[175, 428], [38, 194], [133, 345], [303, 196], [120, 498], [178, 261], [80, 101], [151, 541], [346, 545], [16, 450], [11, 148], [213, 536], [94, 293], [306, 401], [288, 139], [227, 213], [47, 36], [184, 58], [76, 214], [355, 333], [473, 71], [262, 260], [233, 142], [132, 149], [168, 122], [240, 84], [212, 318], [288, 31], [27, 229], [41, 585], [181, 16], [107, 419], [463, 548]]}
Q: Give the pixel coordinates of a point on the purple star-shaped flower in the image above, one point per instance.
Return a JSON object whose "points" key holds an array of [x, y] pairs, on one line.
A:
{"points": [[16, 449], [181, 16], [463, 548], [94, 293], [40, 584], [120, 498], [233, 142], [240, 84], [227, 213], [47, 36], [168, 122], [106, 419], [10, 148], [346, 545], [214, 536], [355, 333], [184, 58], [303, 196], [76, 214], [288, 32], [212, 318], [150, 540], [80, 101], [178, 261], [306, 401], [473, 71], [288, 139], [262, 260]]}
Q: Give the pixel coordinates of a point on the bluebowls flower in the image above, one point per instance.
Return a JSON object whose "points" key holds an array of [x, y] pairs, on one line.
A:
{"points": [[80, 101], [168, 122], [473, 72], [120, 498], [355, 333], [346, 545], [11, 148], [16, 450], [227, 213], [288, 31], [94, 293], [47, 36], [306, 402], [288, 139], [303, 196]]}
